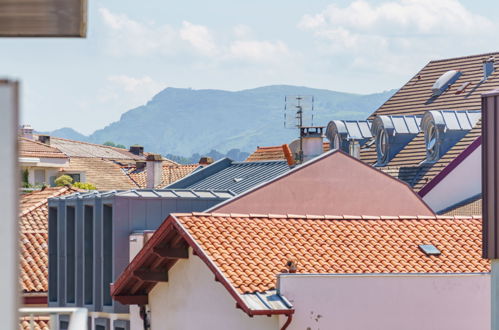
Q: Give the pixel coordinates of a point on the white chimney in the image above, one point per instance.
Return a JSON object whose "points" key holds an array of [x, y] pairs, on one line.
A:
{"points": [[27, 131], [354, 149], [312, 142], [154, 170]]}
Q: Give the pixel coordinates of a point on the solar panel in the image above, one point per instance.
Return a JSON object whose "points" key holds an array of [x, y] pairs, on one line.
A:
{"points": [[430, 249]]}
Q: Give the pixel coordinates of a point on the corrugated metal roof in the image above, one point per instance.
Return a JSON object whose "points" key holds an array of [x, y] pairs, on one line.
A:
{"points": [[152, 193], [237, 177]]}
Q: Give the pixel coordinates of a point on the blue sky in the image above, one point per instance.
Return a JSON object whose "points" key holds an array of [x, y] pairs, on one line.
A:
{"points": [[135, 49]]}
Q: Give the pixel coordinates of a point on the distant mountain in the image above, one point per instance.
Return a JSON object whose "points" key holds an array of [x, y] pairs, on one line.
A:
{"points": [[68, 133], [185, 121]]}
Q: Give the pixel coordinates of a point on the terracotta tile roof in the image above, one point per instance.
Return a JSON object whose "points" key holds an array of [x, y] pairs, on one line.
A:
{"points": [[29, 148], [40, 322], [469, 207], [248, 251], [34, 261], [171, 173], [33, 207], [105, 174], [415, 98], [90, 150], [273, 153], [33, 224]]}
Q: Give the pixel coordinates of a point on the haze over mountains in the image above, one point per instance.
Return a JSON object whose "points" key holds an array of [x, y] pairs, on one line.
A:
{"points": [[182, 121]]}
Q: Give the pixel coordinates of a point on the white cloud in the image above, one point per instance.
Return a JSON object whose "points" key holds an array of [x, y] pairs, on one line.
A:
{"points": [[199, 37], [127, 36], [135, 90], [130, 37], [258, 50], [391, 35]]}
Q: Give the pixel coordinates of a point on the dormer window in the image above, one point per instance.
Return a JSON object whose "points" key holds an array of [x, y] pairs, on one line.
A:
{"points": [[392, 134], [341, 132], [443, 129]]}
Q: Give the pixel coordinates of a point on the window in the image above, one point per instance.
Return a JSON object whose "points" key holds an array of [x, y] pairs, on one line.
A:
{"points": [[336, 142], [75, 176], [431, 140], [88, 241], [107, 249], [39, 176], [70, 254], [382, 146], [53, 255]]}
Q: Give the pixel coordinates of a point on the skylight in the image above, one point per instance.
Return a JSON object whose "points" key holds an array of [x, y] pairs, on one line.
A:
{"points": [[430, 249]]}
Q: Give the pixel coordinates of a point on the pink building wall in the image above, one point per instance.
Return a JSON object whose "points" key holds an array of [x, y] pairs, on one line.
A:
{"points": [[335, 184], [388, 302]]}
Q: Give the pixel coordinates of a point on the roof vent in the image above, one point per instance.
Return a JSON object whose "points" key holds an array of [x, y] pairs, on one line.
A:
{"points": [[444, 81], [238, 179], [205, 160], [488, 67], [392, 134], [26, 131], [443, 129], [430, 249], [341, 132]]}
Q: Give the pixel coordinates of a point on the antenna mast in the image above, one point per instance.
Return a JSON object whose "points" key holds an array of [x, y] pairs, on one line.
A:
{"points": [[299, 113]]}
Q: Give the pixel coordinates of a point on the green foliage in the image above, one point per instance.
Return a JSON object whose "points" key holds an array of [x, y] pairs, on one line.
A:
{"points": [[112, 144], [84, 185], [63, 180], [24, 179]]}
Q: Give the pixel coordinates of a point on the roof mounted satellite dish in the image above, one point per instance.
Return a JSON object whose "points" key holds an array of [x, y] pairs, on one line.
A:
{"points": [[444, 81]]}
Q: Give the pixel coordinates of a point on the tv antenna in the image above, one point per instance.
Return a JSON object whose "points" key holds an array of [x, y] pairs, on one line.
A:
{"points": [[299, 113]]}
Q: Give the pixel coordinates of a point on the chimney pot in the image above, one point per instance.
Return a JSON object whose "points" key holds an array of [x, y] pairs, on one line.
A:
{"points": [[311, 142]]}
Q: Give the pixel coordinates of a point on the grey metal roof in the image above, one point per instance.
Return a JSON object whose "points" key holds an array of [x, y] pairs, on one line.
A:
{"points": [[350, 129], [268, 300], [398, 124], [237, 177], [152, 193]]}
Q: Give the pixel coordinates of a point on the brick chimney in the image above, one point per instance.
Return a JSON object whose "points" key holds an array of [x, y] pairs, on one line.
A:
{"points": [[205, 161], [136, 150], [45, 139], [154, 170]]}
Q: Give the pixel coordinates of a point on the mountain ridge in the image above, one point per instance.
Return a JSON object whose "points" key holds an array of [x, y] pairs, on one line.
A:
{"points": [[185, 121]]}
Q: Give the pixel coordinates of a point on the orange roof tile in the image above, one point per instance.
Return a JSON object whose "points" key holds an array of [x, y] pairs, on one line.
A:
{"points": [[171, 173], [250, 251], [40, 323], [273, 153], [29, 148], [33, 223]]}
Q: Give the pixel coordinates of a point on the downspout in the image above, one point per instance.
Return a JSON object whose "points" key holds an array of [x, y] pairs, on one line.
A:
{"points": [[288, 322]]}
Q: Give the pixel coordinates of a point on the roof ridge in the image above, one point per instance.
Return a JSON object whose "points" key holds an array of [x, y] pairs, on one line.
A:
{"points": [[325, 216], [58, 193], [463, 57]]}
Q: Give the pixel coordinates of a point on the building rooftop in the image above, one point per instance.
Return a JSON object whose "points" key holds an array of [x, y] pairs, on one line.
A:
{"points": [[171, 173], [226, 174], [34, 149], [246, 252], [272, 153], [33, 223], [469, 207]]}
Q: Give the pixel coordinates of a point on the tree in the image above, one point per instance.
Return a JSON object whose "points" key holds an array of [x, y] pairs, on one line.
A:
{"points": [[63, 180]]}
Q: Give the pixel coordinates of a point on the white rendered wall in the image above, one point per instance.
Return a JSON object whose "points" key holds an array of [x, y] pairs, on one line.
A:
{"points": [[192, 299], [463, 182], [388, 302]]}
